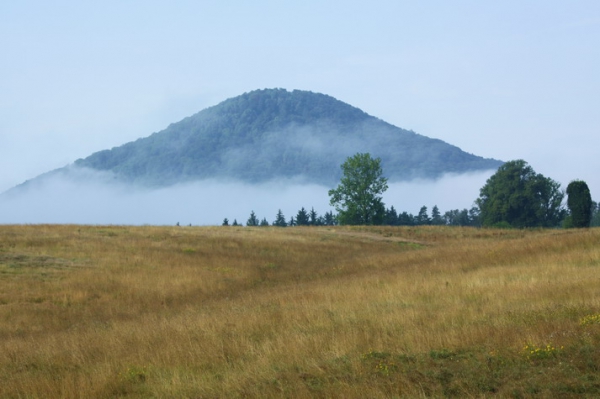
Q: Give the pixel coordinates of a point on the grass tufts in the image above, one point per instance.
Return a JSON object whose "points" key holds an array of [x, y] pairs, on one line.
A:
{"points": [[353, 312]]}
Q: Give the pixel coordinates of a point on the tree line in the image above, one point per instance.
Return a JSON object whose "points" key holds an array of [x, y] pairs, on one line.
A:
{"points": [[302, 218], [515, 196]]}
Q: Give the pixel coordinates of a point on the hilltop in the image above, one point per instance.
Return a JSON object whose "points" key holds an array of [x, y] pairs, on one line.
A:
{"points": [[273, 134]]}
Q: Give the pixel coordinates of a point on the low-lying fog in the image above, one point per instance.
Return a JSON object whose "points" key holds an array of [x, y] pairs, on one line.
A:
{"points": [[94, 201]]}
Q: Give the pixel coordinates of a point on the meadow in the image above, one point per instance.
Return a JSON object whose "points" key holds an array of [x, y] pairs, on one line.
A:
{"points": [[324, 312]]}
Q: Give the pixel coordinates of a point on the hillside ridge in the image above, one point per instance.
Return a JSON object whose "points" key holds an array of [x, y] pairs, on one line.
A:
{"points": [[278, 134]]}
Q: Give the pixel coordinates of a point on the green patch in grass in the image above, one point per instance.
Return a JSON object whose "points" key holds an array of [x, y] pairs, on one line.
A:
{"points": [[410, 245], [40, 267], [442, 354]]}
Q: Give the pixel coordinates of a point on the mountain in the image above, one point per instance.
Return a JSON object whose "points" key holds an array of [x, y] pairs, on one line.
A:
{"points": [[275, 133]]}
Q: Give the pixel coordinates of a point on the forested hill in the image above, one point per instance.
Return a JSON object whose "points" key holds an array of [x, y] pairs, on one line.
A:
{"points": [[274, 133]]}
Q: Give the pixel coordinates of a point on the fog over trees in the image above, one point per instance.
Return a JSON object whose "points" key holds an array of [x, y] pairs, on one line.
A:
{"points": [[513, 197], [276, 154]]}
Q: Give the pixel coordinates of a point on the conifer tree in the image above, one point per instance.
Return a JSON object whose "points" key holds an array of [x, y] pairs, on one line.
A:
{"points": [[422, 217], [302, 217], [436, 217], [329, 219], [252, 220], [595, 214], [406, 219], [280, 220], [314, 218], [391, 216]]}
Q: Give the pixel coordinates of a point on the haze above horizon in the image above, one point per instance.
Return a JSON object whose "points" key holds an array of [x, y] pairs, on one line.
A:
{"points": [[510, 80]]}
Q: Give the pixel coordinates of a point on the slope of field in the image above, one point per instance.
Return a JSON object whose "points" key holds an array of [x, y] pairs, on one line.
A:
{"points": [[96, 311]]}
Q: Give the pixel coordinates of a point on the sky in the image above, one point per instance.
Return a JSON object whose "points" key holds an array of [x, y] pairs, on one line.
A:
{"points": [[506, 80]]}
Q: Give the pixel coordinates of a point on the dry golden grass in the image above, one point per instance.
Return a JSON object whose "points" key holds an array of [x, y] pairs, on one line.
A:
{"points": [[210, 312]]}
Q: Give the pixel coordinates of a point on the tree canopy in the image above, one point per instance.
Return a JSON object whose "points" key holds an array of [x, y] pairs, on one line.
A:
{"points": [[357, 198], [517, 196]]}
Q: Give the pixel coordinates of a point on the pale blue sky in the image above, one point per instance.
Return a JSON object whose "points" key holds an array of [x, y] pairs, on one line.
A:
{"points": [[508, 80]]}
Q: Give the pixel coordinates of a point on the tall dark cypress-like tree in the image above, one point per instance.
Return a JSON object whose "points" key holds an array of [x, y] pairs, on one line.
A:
{"points": [[579, 202]]}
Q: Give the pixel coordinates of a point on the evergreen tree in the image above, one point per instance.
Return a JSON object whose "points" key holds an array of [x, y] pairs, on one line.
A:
{"points": [[280, 220], [436, 217], [252, 220], [595, 215], [314, 219], [457, 217], [292, 222], [580, 204], [463, 218], [422, 218], [264, 223], [225, 222], [406, 219], [329, 219], [235, 223], [391, 217], [302, 217]]}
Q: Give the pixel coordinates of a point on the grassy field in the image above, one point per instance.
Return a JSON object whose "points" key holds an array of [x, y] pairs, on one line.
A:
{"points": [[226, 312]]}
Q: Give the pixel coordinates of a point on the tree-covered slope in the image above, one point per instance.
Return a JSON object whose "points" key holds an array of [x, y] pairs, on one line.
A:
{"points": [[274, 133]]}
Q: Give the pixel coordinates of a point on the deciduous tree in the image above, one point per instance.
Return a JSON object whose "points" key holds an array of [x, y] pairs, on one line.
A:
{"points": [[517, 196], [357, 199]]}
